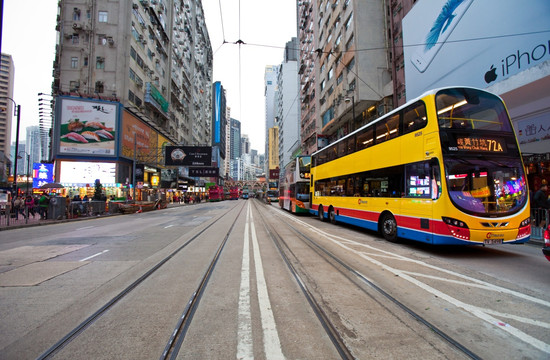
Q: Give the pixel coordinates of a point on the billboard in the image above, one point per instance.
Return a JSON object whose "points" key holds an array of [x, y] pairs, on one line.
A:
{"points": [[132, 129], [204, 172], [42, 174], [80, 172], [472, 43], [86, 127], [188, 156]]}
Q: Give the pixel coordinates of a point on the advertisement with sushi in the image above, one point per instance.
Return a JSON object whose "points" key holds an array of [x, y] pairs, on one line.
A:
{"points": [[87, 127]]}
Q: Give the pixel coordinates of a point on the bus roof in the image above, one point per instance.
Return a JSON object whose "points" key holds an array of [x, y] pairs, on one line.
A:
{"points": [[429, 92]]}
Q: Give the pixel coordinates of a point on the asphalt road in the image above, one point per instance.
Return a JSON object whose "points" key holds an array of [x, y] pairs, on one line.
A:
{"points": [[271, 285]]}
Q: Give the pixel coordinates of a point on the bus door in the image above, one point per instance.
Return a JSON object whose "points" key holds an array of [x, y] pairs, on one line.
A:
{"points": [[422, 189]]}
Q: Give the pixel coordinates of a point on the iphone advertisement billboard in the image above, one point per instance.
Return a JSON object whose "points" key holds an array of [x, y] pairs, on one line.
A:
{"points": [[473, 42]]}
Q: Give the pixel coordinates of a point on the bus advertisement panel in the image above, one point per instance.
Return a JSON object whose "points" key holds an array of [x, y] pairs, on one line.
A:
{"points": [[444, 168]]}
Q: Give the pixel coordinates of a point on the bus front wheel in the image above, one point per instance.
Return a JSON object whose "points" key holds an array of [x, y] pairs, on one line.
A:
{"points": [[388, 227]]}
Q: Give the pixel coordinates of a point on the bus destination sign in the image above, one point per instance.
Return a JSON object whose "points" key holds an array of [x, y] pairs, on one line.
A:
{"points": [[480, 144]]}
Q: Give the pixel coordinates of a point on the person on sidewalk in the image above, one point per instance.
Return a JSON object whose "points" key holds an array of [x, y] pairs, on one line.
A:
{"points": [[541, 204], [43, 204], [29, 205]]}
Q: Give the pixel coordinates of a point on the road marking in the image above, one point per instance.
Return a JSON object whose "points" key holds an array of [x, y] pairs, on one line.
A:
{"points": [[244, 335], [85, 227], [480, 313], [272, 345], [166, 227], [93, 256]]}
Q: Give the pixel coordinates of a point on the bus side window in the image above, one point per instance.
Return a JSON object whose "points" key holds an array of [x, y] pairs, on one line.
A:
{"points": [[364, 139], [414, 117]]}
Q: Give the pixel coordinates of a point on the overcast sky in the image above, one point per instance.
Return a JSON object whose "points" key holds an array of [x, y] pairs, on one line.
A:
{"points": [[264, 26]]}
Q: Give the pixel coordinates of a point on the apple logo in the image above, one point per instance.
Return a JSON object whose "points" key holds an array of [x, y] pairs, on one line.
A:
{"points": [[491, 75]]}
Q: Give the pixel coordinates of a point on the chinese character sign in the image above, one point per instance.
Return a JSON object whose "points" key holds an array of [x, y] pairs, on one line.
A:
{"points": [[42, 174], [533, 130]]}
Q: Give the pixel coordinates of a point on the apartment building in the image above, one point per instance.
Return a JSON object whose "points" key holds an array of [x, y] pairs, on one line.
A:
{"points": [[7, 72], [351, 83], [153, 56]]}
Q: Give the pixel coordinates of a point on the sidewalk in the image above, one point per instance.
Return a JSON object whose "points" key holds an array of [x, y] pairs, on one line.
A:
{"points": [[22, 222]]}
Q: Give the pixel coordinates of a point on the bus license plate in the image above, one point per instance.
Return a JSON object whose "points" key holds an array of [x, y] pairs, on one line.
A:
{"points": [[492, 241]]}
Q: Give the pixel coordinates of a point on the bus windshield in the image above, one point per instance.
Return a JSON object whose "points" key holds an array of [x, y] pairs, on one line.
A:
{"points": [[463, 108], [485, 187]]}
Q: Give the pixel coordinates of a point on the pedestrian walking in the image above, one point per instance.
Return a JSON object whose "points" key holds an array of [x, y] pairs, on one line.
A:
{"points": [[43, 204], [541, 204], [29, 206]]}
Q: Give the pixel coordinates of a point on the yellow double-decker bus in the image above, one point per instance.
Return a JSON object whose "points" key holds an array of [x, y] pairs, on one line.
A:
{"points": [[444, 168]]}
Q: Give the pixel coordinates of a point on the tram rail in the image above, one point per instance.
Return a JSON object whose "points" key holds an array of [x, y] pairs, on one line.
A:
{"points": [[355, 276], [176, 339]]}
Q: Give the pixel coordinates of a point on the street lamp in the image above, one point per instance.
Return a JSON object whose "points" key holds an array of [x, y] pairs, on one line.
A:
{"points": [[28, 167], [17, 111]]}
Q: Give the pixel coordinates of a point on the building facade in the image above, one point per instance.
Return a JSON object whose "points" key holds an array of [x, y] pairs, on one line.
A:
{"points": [[154, 57], [287, 110], [352, 82], [7, 73]]}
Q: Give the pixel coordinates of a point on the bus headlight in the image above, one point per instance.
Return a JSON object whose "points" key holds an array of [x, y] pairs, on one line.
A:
{"points": [[458, 228]]}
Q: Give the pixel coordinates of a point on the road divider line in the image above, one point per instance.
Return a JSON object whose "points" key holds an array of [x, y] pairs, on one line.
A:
{"points": [[272, 345], [244, 334], [93, 256]]}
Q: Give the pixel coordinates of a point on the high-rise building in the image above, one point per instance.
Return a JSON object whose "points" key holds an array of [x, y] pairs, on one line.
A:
{"points": [[235, 139], [154, 57], [34, 144], [270, 89], [7, 72], [273, 148], [352, 82], [310, 125], [287, 110]]}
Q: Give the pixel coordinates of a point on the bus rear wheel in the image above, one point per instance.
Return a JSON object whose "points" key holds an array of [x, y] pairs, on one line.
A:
{"points": [[331, 216], [388, 227], [320, 214]]}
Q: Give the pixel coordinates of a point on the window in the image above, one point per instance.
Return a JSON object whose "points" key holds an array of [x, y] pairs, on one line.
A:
{"points": [[86, 61], [99, 87], [349, 44], [340, 78], [74, 62], [75, 39], [76, 14], [418, 182], [387, 129], [364, 139], [99, 62], [414, 117], [351, 64], [103, 16], [331, 73], [74, 85], [349, 21]]}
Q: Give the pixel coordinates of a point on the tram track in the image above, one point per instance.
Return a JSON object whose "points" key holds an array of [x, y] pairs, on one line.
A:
{"points": [[364, 284], [176, 339]]}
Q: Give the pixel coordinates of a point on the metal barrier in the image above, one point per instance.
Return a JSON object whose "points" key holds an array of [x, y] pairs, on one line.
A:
{"points": [[540, 218], [85, 208], [10, 216]]}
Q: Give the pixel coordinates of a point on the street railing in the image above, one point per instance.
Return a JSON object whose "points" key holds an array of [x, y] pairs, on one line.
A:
{"points": [[540, 218]]}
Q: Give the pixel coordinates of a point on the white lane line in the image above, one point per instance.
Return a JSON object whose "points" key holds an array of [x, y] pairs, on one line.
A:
{"points": [[93, 256], [272, 345], [244, 335], [482, 314], [166, 227], [85, 227]]}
